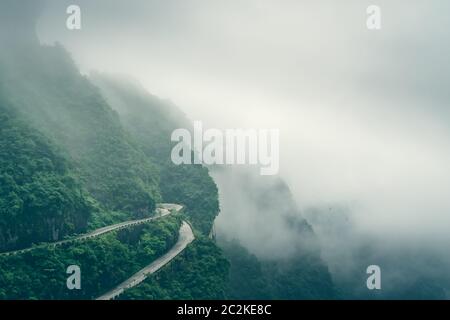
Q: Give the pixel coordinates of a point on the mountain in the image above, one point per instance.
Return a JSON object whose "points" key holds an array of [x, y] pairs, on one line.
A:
{"points": [[44, 84], [42, 87], [274, 252], [71, 162], [410, 270], [40, 197], [80, 152], [151, 122]]}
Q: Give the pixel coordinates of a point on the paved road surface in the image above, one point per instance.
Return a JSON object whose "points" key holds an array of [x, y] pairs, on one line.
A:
{"points": [[186, 236], [162, 210]]}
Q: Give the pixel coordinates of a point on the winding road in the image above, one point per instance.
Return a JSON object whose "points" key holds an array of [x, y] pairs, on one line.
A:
{"points": [[162, 210], [186, 236]]}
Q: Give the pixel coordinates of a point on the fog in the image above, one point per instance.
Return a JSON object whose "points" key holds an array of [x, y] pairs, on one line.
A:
{"points": [[363, 115]]}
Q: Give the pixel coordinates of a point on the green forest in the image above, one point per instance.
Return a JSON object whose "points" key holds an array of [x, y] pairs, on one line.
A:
{"points": [[201, 272], [80, 152], [40, 196], [72, 163], [104, 262]]}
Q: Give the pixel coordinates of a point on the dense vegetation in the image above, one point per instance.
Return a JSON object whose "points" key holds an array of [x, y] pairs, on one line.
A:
{"points": [[301, 277], [45, 86], [192, 186], [151, 122], [200, 272], [69, 163], [40, 199], [78, 153], [104, 261]]}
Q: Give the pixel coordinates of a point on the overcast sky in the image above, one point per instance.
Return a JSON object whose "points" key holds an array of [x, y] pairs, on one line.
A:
{"points": [[364, 116]]}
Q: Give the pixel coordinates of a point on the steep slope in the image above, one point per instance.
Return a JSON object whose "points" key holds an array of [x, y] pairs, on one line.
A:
{"points": [[273, 251], [410, 270], [151, 122], [43, 84], [69, 163], [75, 152], [299, 275], [40, 200]]}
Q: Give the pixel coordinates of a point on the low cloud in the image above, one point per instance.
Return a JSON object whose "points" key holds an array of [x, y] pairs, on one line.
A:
{"points": [[363, 115]]}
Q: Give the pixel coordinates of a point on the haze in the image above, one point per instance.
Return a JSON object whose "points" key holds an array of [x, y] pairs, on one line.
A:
{"points": [[363, 115]]}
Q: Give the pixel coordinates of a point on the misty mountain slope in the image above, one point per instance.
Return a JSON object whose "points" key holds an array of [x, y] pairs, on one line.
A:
{"points": [[151, 122], [40, 199], [74, 163], [301, 277], [44, 84], [149, 119], [410, 270], [273, 251], [99, 258], [260, 212]]}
